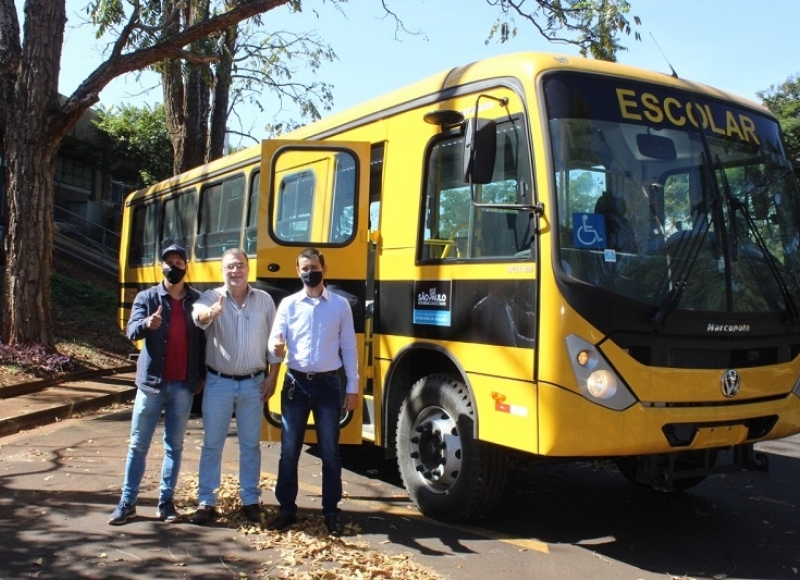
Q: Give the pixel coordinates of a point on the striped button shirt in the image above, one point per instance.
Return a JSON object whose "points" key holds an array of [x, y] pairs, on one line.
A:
{"points": [[236, 342]]}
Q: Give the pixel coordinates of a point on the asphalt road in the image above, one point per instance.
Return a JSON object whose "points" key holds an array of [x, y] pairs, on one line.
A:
{"points": [[585, 520], [58, 484]]}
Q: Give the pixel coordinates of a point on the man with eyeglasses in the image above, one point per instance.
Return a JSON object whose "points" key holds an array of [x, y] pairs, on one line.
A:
{"points": [[241, 377]]}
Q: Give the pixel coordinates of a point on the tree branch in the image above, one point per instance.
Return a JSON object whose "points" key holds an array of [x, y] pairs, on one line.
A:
{"points": [[118, 64]]}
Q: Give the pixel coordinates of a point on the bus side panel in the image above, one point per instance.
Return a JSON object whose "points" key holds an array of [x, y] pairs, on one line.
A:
{"points": [[506, 407]]}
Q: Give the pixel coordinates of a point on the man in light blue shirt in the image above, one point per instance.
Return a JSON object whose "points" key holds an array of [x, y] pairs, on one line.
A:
{"points": [[314, 330]]}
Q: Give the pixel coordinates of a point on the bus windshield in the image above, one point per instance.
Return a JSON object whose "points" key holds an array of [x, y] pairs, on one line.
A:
{"points": [[670, 199]]}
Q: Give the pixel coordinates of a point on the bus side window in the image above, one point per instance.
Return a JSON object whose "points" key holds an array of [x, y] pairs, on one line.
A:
{"points": [[251, 230], [295, 201], [453, 227], [342, 227], [219, 223], [179, 218], [143, 228], [314, 196]]}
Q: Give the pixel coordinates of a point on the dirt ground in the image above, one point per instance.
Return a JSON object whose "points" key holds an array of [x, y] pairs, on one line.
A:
{"points": [[87, 334]]}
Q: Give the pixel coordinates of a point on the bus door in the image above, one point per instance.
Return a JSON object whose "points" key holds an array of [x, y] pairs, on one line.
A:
{"points": [[315, 193]]}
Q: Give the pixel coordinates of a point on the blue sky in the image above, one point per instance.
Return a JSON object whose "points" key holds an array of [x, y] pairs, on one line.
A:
{"points": [[742, 46]]}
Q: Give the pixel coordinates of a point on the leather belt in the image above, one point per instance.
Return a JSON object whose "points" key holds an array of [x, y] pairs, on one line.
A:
{"points": [[235, 377], [312, 376]]}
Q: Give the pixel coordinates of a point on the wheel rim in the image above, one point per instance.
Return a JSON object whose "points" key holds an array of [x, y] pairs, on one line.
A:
{"points": [[436, 449]]}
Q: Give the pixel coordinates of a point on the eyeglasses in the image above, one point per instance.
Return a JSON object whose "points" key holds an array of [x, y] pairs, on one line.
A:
{"points": [[234, 266]]}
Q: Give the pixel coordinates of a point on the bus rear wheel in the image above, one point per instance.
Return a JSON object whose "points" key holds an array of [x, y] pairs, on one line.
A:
{"points": [[447, 473]]}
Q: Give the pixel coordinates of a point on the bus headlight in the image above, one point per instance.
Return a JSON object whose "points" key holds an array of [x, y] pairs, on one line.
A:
{"points": [[597, 380], [601, 384]]}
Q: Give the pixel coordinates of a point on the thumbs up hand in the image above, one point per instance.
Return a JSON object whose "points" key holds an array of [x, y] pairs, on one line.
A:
{"points": [[279, 348], [154, 320], [215, 311]]}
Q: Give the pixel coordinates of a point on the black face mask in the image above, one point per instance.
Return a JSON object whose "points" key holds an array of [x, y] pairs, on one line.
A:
{"points": [[173, 274], [312, 279]]}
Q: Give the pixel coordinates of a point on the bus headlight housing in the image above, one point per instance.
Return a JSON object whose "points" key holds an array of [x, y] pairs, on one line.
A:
{"points": [[597, 380], [796, 389]]}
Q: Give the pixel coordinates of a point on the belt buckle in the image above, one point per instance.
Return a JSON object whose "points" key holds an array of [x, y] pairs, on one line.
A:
{"points": [[310, 376]]}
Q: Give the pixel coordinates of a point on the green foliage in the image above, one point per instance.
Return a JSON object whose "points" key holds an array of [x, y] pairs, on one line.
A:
{"points": [[592, 25], [74, 294], [784, 101], [85, 310], [241, 64], [138, 147], [105, 14]]}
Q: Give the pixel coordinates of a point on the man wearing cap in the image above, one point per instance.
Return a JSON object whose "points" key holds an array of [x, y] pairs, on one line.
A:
{"points": [[241, 376], [169, 371]]}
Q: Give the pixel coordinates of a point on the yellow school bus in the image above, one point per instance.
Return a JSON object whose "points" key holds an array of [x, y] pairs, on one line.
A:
{"points": [[547, 257]]}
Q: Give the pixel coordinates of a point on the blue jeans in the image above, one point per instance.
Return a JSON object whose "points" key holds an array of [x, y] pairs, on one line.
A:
{"points": [[175, 399], [321, 396], [220, 399]]}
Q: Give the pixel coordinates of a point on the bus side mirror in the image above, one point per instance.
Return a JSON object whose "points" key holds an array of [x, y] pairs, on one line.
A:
{"points": [[480, 145]]}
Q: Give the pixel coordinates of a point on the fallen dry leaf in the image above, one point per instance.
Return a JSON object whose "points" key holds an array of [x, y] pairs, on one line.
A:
{"points": [[307, 551]]}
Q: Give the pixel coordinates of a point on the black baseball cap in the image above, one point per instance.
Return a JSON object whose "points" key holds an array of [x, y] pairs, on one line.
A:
{"points": [[174, 248]]}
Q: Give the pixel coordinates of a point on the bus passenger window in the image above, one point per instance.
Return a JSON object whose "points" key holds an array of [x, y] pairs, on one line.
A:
{"points": [[219, 225], [143, 229], [251, 230], [179, 217]]}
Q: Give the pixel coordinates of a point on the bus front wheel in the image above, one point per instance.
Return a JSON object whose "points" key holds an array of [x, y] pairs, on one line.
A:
{"points": [[448, 474]]}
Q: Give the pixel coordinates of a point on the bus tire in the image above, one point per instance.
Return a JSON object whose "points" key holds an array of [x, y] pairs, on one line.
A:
{"points": [[447, 473]]}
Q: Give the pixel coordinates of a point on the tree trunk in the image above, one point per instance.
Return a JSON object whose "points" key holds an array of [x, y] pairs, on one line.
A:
{"points": [[31, 145], [196, 114], [221, 99], [172, 85], [29, 241]]}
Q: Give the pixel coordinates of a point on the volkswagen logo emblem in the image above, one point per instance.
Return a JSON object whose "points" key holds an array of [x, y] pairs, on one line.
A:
{"points": [[730, 383]]}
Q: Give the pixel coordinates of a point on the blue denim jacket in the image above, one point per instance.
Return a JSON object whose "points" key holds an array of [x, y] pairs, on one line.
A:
{"points": [[150, 365]]}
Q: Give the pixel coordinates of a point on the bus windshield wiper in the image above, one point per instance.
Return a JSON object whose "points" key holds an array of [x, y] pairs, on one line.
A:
{"points": [[688, 247], [735, 204], [687, 250]]}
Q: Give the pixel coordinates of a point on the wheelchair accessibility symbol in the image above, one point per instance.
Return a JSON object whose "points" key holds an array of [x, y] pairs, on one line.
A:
{"points": [[588, 230]]}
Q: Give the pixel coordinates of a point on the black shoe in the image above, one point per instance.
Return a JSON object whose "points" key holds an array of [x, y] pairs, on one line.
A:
{"points": [[122, 513], [333, 525], [283, 521], [252, 512], [203, 515], [166, 512]]}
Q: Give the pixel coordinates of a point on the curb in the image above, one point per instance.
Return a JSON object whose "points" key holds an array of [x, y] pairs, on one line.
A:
{"points": [[68, 406], [21, 389], [36, 419]]}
